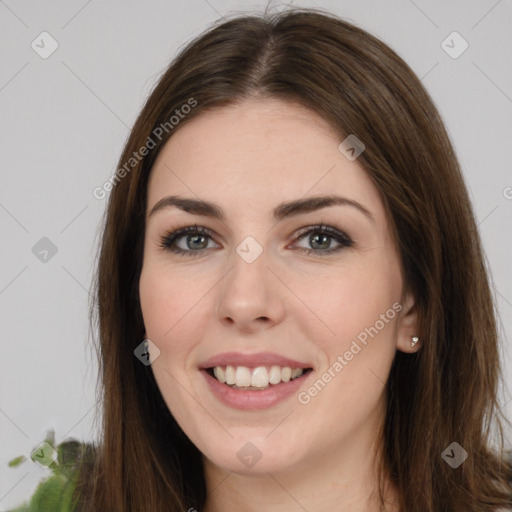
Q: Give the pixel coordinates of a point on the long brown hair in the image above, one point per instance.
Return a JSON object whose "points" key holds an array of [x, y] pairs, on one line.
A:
{"points": [[446, 392]]}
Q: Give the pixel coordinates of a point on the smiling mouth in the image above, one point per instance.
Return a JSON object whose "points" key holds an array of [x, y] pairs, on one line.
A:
{"points": [[259, 378]]}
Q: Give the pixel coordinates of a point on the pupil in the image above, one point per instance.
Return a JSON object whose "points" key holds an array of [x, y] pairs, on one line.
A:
{"points": [[193, 239], [326, 241]]}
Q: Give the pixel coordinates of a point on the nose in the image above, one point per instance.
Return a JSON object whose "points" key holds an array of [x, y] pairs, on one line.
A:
{"points": [[250, 295]]}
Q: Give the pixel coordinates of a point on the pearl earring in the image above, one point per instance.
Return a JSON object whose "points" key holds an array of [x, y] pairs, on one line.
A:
{"points": [[414, 340]]}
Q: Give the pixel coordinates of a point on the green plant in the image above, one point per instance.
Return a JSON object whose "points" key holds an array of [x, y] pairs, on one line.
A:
{"points": [[54, 493]]}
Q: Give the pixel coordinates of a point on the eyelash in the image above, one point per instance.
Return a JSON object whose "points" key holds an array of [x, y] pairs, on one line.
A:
{"points": [[167, 241]]}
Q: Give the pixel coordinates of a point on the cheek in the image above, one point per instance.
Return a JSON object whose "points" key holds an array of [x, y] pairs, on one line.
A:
{"points": [[162, 307], [166, 298], [175, 307], [349, 301], [359, 311], [174, 312]]}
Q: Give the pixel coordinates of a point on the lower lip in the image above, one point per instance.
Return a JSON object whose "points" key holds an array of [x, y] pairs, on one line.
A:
{"points": [[254, 400]]}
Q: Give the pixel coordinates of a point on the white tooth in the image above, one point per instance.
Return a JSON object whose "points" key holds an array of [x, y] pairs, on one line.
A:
{"points": [[230, 375], [296, 372], [219, 373], [259, 377], [275, 375], [243, 376], [286, 374]]}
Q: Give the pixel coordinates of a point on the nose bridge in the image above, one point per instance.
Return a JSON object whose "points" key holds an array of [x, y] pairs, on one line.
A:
{"points": [[249, 291]]}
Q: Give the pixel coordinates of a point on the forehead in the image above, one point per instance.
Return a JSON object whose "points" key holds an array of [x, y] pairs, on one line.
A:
{"points": [[258, 153]]}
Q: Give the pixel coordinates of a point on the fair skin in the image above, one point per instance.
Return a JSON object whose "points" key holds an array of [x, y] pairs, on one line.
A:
{"points": [[248, 159]]}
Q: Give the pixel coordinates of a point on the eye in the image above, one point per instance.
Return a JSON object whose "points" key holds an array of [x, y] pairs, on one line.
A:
{"points": [[187, 241], [321, 237], [192, 240]]}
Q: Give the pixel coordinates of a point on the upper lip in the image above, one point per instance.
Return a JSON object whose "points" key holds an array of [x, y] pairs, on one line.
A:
{"points": [[251, 360]]}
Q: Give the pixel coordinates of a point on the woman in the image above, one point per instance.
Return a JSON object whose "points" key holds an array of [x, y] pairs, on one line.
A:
{"points": [[293, 307]]}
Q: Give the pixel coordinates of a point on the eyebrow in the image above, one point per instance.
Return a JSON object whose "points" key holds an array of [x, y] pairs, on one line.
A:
{"points": [[280, 212]]}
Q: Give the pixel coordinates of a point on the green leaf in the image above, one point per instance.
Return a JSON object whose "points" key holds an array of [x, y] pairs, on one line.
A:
{"points": [[54, 494], [21, 508], [16, 461]]}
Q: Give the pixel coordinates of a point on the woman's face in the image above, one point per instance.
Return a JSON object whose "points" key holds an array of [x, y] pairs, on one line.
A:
{"points": [[305, 320]]}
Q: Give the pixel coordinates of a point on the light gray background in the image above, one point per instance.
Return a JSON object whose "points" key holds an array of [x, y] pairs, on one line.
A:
{"points": [[64, 121]]}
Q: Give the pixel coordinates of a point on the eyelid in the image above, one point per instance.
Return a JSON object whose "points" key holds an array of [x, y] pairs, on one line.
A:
{"points": [[343, 240], [322, 228], [176, 232]]}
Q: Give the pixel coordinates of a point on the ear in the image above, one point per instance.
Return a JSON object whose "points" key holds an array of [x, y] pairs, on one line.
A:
{"points": [[407, 326]]}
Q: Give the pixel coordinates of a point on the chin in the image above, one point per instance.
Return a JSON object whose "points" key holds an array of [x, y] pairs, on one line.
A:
{"points": [[252, 456]]}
